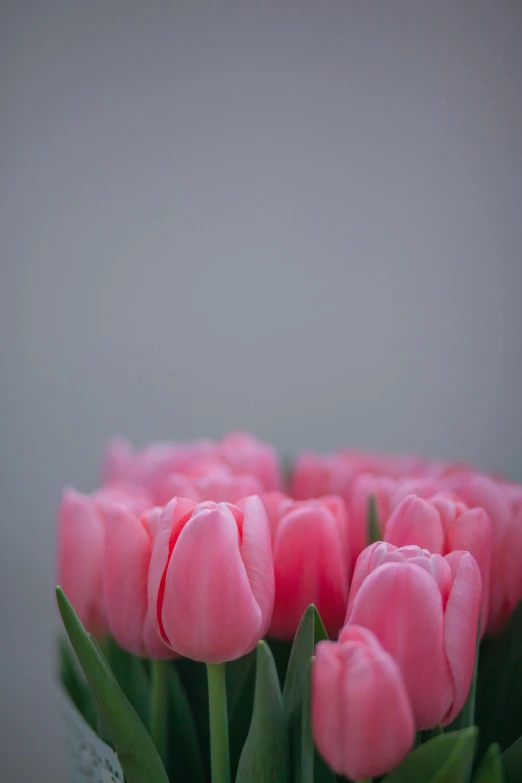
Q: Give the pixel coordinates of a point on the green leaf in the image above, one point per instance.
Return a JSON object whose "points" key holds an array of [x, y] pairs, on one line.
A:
{"points": [[131, 675], [281, 650], [490, 771], [138, 756], [466, 716], [185, 759], [512, 759], [444, 759], [499, 686], [241, 679], [373, 524], [296, 695], [75, 684], [266, 755]]}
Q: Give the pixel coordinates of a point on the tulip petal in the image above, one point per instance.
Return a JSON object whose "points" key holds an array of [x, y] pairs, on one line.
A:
{"points": [[208, 610], [126, 565], [364, 565], [256, 553], [127, 554], [358, 495], [309, 568], [80, 558], [471, 532], [416, 521], [402, 605], [178, 485], [485, 492], [170, 517], [460, 626]]}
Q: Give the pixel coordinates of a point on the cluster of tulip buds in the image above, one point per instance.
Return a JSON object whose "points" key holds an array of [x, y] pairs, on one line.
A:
{"points": [[356, 618]]}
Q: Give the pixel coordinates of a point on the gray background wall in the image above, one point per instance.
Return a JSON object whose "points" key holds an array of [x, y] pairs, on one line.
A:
{"points": [[302, 218]]}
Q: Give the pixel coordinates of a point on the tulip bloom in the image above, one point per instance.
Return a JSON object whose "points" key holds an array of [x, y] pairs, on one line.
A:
{"points": [[357, 499], [424, 610], [362, 719], [239, 454], [477, 489], [311, 561], [211, 578], [314, 474], [218, 484], [151, 467], [443, 524], [81, 541], [127, 553], [245, 454]]}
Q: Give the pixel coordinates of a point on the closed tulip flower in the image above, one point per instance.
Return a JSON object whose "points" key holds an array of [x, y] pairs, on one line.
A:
{"points": [[424, 610], [357, 499], [244, 454], [311, 476], [127, 553], [311, 561], [442, 524], [211, 578], [477, 489], [325, 474], [362, 720], [81, 541], [218, 484]]}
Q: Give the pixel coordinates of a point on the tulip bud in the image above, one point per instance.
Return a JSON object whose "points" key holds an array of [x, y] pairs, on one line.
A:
{"points": [[363, 486], [211, 578], [128, 547], [81, 542], [362, 719], [311, 476], [424, 610], [245, 454], [441, 525], [219, 485], [483, 491], [311, 562]]}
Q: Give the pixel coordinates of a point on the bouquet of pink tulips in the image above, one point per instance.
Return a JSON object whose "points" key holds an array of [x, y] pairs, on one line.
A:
{"points": [[359, 618]]}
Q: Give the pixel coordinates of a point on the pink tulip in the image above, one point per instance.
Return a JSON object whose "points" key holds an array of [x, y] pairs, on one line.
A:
{"points": [[357, 500], [239, 453], [211, 578], [441, 525], [479, 490], [128, 548], [422, 486], [81, 540], [218, 484], [244, 454], [311, 561], [424, 610], [311, 476], [362, 719], [80, 558], [315, 474]]}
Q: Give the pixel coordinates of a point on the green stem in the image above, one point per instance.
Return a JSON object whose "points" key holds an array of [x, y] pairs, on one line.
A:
{"points": [[159, 707], [217, 705]]}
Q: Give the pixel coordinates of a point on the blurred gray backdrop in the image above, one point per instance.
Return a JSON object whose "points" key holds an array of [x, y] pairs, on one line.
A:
{"points": [[303, 218]]}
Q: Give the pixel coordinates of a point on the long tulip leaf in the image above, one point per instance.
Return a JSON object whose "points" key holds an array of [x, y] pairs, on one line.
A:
{"points": [[266, 756], [136, 752]]}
